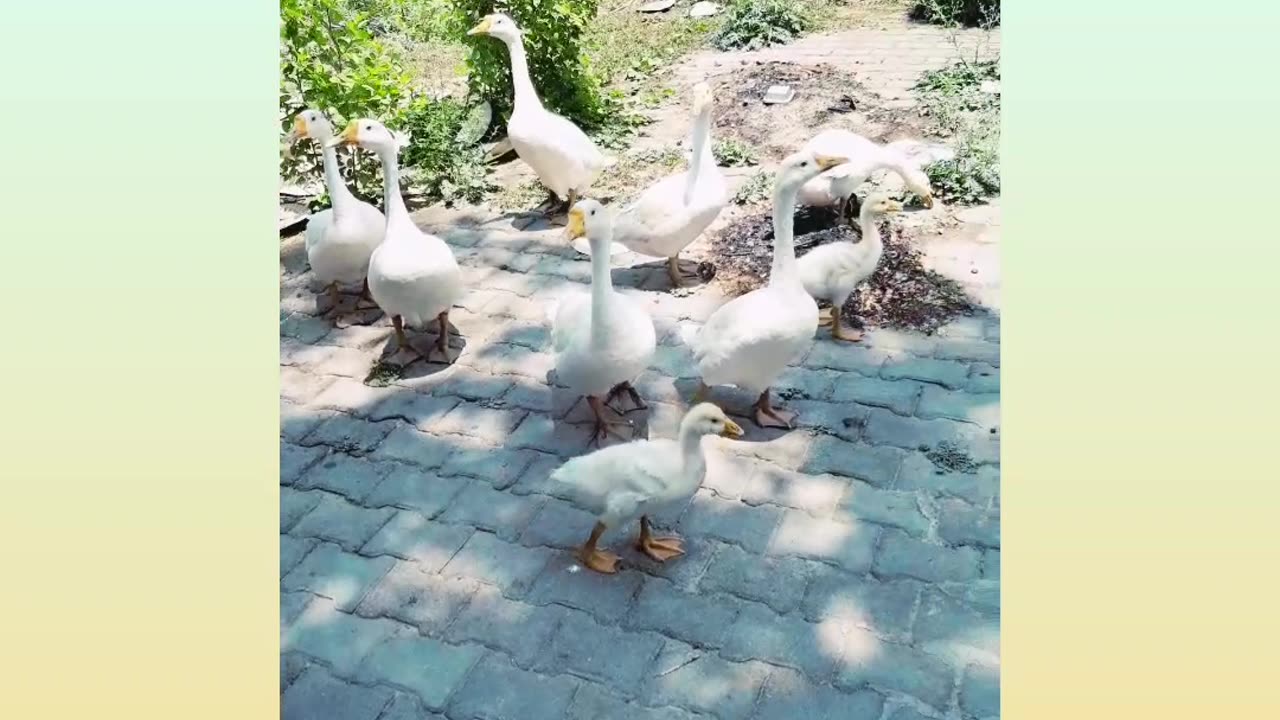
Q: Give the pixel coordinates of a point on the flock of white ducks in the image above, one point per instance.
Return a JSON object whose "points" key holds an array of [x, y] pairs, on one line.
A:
{"points": [[602, 340]]}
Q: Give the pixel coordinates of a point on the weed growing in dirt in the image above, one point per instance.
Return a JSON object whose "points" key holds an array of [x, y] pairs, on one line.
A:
{"points": [[963, 100], [951, 457], [754, 190], [439, 161], [731, 152], [383, 374], [754, 24], [969, 13]]}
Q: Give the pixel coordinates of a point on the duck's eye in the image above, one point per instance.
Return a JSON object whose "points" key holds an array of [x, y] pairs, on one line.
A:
{"points": [[368, 127], [804, 164], [593, 212]]}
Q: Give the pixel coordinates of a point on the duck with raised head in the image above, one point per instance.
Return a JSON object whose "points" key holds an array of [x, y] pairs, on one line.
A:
{"points": [[341, 238], [602, 339], [413, 275], [750, 340], [836, 187], [634, 480], [560, 153]]}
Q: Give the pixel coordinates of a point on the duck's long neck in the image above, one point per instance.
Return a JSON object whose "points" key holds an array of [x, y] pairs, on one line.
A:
{"points": [[784, 248], [871, 232], [601, 290], [392, 201], [526, 96], [703, 160], [694, 465], [339, 195], [891, 159]]}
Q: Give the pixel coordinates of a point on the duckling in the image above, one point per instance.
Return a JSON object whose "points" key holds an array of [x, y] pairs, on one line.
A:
{"points": [[623, 482], [832, 271]]}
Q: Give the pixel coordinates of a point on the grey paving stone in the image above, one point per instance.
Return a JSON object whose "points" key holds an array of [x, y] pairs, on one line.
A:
{"points": [[530, 394], [875, 464], [699, 619], [906, 712], [946, 373], [417, 409], [291, 606], [406, 706], [979, 487], [980, 408], [412, 488], [961, 633], [351, 396], [884, 608], [960, 523], [777, 582], [334, 360], [520, 629], [539, 432], [711, 685], [594, 702], [501, 513], [815, 494], [537, 477], [429, 668], [297, 420], [606, 597], [787, 695], [983, 594], [885, 507], [497, 690], [991, 564], [292, 665], [983, 378], [304, 328], [337, 575], [336, 520], [980, 692], [731, 521], [294, 504], [558, 524], [609, 655], [317, 695], [348, 434], [759, 633], [903, 556], [512, 568], [292, 550], [967, 349], [412, 596], [410, 536], [348, 476], [897, 395], [838, 356], [488, 425], [295, 459], [497, 466], [297, 386], [897, 667], [849, 545], [336, 638], [468, 384], [806, 384], [684, 572], [409, 445], [886, 428]]}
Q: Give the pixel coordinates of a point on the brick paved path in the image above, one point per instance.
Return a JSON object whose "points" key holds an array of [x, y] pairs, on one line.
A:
{"points": [[832, 571]]}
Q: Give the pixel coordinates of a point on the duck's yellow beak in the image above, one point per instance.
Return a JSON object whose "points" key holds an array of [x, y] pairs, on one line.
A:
{"points": [[927, 200], [577, 224], [349, 136], [731, 429], [895, 206], [826, 162], [299, 130], [482, 28]]}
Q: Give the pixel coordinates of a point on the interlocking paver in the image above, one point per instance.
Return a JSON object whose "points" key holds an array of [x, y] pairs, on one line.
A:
{"points": [[426, 560]]}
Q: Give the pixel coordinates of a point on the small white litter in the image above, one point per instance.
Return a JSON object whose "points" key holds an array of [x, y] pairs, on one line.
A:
{"points": [[779, 95]]}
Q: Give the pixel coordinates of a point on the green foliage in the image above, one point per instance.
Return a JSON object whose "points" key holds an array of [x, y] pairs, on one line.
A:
{"points": [[754, 190], [416, 20], [439, 164], [553, 39], [959, 104], [731, 152], [754, 24], [331, 62], [969, 13]]}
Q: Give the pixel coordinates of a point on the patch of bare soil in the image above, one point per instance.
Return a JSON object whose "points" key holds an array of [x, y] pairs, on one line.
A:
{"points": [[902, 293], [825, 97]]}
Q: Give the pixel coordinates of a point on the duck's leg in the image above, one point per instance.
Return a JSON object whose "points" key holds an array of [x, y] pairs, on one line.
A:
{"points": [[603, 427], [682, 272], [850, 210], [769, 416], [661, 549], [637, 403], [601, 561], [366, 296], [838, 330], [825, 315], [559, 214], [402, 341], [442, 340]]}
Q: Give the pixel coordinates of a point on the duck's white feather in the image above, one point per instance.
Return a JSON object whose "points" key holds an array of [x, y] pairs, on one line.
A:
{"points": [[749, 341], [560, 153], [339, 251], [414, 274], [622, 347]]}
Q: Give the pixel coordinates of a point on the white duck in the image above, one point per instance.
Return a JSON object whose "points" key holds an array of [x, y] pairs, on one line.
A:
{"points": [[604, 339], [836, 187], [339, 239], [750, 340], [413, 276], [563, 157], [623, 482], [832, 271], [673, 212]]}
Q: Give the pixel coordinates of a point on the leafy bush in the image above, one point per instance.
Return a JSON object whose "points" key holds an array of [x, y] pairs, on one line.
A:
{"points": [[756, 189], [553, 32], [731, 152], [970, 13], [417, 20], [754, 24], [973, 174], [959, 104], [330, 61], [440, 165]]}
